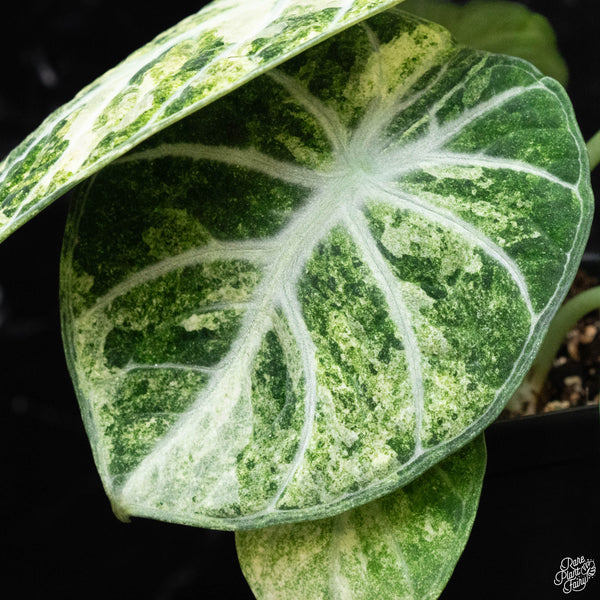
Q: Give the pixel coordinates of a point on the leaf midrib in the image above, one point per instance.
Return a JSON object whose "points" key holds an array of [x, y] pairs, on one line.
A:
{"points": [[277, 290], [283, 261]]}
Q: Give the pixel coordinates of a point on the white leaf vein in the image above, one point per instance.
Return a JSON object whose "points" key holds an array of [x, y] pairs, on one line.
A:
{"points": [[464, 159], [448, 131], [327, 118], [247, 158], [406, 201], [358, 227], [258, 252], [293, 313], [172, 366]]}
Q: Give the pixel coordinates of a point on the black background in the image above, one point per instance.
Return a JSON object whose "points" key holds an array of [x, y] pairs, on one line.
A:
{"points": [[57, 533]]}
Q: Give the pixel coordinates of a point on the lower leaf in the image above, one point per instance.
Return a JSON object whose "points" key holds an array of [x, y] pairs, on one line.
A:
{"points": [[404, 545]]}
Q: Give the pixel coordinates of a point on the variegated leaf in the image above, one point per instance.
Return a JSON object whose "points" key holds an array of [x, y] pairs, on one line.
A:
{"points": [[204, 57], [403, 546], [307, 294]]}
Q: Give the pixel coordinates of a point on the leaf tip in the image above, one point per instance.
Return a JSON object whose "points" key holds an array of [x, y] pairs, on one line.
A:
{"points": [[120, 512]]}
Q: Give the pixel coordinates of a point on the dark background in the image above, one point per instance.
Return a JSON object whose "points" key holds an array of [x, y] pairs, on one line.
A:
{"points": [[57, 533]]}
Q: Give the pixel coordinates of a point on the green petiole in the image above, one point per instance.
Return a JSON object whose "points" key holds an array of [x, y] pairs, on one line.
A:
{"points": [[593, 148], [565, 319]]}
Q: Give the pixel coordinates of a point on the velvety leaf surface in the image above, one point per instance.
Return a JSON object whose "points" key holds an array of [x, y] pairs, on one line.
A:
{"points": [[498, 26], [188, 66], [402, 546], [307, 294]]}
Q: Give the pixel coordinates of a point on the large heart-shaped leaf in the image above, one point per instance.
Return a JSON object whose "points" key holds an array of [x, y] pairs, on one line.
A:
{"points": [[307, 294], [185, 68], [403, 546]]}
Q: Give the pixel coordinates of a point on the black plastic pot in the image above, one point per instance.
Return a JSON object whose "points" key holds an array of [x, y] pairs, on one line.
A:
{"points": [[538, 505]]}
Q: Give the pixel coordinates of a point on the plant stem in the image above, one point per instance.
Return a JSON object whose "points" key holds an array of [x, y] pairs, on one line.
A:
{"points": [[593, 148], [565, 319]]}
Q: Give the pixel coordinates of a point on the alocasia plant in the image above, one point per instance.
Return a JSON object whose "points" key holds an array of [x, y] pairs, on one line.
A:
{"points": [[317, 287]]}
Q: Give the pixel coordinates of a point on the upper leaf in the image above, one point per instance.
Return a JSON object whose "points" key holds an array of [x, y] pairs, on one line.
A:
{"points": [[204, 57], [319, 286]]}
